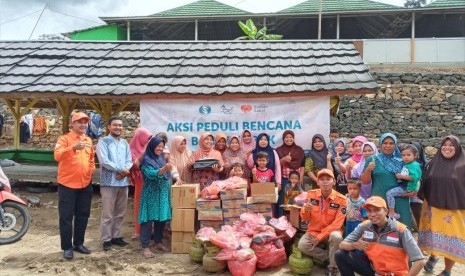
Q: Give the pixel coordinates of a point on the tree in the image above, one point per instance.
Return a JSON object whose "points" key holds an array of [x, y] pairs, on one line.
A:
{"points": [[252, 32], [414, 3]]}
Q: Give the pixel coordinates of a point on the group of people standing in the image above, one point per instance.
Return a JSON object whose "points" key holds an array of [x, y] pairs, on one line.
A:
{"points": [[152, 167]]}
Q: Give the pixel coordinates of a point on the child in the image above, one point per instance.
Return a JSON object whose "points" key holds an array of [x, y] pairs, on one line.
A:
{"points": [[292, 190], [262, 174], [333, 135], [411, 173], [355, 213], [237, 169]]}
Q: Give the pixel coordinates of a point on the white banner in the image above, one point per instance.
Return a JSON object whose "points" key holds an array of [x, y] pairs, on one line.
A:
{"points": [[305, 116]]}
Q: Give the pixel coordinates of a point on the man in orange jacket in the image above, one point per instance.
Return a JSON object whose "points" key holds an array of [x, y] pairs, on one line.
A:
{"points": [[325, 211], [387, 243], [75, 155]]}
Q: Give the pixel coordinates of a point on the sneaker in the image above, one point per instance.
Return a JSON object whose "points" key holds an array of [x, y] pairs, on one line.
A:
{"points": [[107, 245], [333, 271], [119, 242]]}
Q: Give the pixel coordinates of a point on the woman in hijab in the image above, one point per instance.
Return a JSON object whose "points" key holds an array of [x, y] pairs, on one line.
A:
{"points": [[263, 144], [220, 142], [291, 158], [339, 156], [318, 159], [355, 156], [381, 170], [235, 154], [155, 201], [179, 158], [247, 142], [138, 143], [206, 151], [442, 224], [368, 149]]}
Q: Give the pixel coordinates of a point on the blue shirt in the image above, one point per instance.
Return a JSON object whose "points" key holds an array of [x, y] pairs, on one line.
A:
{"points": [[114, 155]]}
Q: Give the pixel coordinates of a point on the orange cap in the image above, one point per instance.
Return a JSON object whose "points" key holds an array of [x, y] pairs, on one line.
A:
{"points": [[325, 172], [375, 201], [78, 116]]}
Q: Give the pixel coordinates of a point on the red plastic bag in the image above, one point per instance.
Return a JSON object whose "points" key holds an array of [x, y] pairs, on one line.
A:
{"points": [[240, 255], [268, 255], [225, 240], [300, 199], [205, 233], [243, 268], [283, 225], [210, 192]]}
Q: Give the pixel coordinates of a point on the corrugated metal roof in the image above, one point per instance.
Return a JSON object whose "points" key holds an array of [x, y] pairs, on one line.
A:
{"points": [[446, 3], [136, 68], [202, 8], [313, 6]]}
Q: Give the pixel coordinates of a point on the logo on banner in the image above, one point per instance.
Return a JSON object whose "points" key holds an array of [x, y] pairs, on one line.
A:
{"points": [[205, 109], [246, 108], [227, 110]]}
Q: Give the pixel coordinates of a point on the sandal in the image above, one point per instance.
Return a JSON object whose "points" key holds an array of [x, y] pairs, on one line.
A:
{"points": [[135, 237], [429, 266], [147, 253]]}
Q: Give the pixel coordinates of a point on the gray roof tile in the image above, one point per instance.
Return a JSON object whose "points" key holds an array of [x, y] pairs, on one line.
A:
{"points": [[129, 68]]}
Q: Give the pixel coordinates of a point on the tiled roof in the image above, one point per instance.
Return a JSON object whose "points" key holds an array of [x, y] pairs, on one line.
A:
{"points": [[135, 68], [202, 8], [446, 3], [313, 6]]}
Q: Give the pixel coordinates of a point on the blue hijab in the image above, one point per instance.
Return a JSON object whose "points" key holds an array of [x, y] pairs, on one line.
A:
{"points": [[153, 160], [392, 163], [268, 149]]}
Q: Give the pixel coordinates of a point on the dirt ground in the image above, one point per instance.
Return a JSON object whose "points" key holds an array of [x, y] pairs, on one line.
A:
{"points": [[39, 250]]}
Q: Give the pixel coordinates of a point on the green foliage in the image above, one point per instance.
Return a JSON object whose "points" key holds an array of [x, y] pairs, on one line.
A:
{"points": [[414, 3], [253, 33]]}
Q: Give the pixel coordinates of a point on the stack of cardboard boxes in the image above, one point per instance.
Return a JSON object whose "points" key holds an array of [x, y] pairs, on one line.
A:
{"points": [[210, 213], [183, 201], [262, 196], [232, 202]]}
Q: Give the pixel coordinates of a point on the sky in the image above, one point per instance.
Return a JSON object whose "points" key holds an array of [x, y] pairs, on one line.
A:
{"points": [[18, 18]]}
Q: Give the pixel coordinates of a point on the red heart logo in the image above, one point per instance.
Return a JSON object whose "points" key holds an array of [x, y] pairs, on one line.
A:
{"points": [[246, 108]]}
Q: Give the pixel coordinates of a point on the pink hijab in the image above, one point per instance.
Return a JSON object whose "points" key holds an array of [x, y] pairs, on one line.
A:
{"points": [[204, 152], [180, 160], [247, 147], [357, 157], [139, 141]]}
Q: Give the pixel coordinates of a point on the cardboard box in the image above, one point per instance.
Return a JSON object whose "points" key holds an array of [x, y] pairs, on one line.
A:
{"points": [[215, 224], [205, 204], [177, 236], [257, 207], [210, 215], [183, 220], [180, 247], [263, 193], [294, 218], [230, 221], [185, 196], [233, 194], [233, 203], [233, 212]]}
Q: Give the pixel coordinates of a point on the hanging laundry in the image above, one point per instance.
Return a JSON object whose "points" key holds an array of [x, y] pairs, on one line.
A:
{"points": [[95, 128], [29, 119], [2, 121], [39, 125], [24, 132]]}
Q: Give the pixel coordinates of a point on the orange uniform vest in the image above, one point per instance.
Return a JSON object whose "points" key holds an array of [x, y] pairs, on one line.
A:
{"points": [[327, 215], [385, 250]]}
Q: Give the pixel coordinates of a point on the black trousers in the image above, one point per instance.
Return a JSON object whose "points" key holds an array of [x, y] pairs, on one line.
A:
{"points": [[73, 204], [146, 232], [349, 262]]}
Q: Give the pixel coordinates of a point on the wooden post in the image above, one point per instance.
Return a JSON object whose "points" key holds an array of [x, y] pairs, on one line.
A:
{"points": [[15, 108], [66, 106]]}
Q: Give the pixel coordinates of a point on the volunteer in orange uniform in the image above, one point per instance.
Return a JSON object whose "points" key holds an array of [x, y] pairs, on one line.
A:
{"points": [[325, 211], [75, 155], [388, 246]]}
